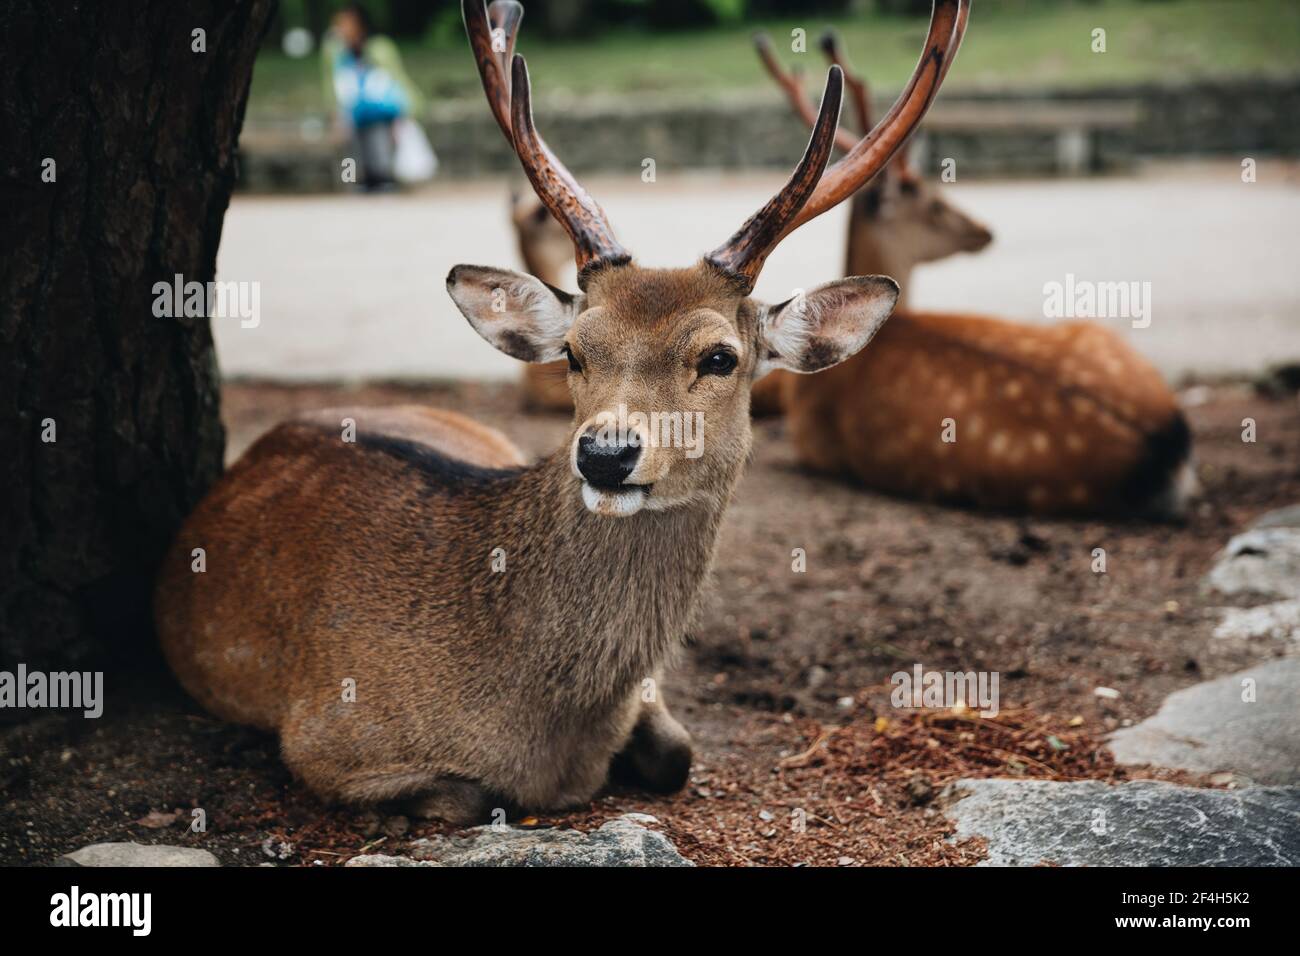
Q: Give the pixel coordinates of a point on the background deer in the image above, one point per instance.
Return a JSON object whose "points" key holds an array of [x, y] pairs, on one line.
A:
{"points": [[545, 250], [1059, 419], [354, 598]]}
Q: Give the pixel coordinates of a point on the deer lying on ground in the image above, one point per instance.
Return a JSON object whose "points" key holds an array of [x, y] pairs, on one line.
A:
{"points": [[1059, 419], [424, 618]]}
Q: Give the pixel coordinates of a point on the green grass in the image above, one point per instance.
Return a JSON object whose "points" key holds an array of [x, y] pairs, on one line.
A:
{"points": [[1010, 44]]}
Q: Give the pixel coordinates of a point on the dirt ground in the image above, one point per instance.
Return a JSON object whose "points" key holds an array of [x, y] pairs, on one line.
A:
{"points": [[784, 681]]}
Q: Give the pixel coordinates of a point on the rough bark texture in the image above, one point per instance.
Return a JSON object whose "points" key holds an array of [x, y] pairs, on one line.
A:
{"points": [[142, 131]]}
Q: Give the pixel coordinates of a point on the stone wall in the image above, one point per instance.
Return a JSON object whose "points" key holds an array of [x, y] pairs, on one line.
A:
{"points": [[757, 130]]}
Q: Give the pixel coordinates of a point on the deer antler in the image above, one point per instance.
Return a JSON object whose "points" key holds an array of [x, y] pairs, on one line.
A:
{"points": [[492, 35], [830, 44], [959, 31], [902, 161], [948, 20], [509, 96], [744, 253], [794, 91]]}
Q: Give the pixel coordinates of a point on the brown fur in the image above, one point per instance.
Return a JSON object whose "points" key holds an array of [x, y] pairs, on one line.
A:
{"points": [[455, 683], [455, 435], [374, 566], [1029, 416], [371, 561]]}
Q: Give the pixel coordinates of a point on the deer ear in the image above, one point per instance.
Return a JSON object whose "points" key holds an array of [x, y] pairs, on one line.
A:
{"points": [[518, 314], [823, 327]]}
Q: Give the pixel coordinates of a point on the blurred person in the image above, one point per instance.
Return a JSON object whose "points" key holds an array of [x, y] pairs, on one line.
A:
{"points": [[372, 97]]}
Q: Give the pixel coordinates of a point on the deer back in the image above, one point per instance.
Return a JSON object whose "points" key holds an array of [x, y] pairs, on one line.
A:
{"points": [[966, 409]]}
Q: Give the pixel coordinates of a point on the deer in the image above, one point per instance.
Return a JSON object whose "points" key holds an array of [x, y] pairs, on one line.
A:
{"points": [[423, 617], [967, 409], [544, 249]]}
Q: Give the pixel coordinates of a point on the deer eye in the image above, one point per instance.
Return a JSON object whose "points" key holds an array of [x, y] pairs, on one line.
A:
{"points": [[718, 362], [574, 364]]}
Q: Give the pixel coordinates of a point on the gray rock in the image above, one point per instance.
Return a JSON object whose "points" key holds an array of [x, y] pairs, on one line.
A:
{"points": [[1142, 823], [381, 859], [620, 842], [1209, 728], [138, 854], [1263, 561], [1288, 517], [1279, 621]]}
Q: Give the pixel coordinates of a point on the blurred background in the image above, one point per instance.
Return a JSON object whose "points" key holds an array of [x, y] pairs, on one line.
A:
{"points": [[1122, 165]]}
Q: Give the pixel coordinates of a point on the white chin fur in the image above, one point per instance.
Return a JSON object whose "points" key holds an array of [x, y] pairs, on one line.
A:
{"points": [[613, 504]]}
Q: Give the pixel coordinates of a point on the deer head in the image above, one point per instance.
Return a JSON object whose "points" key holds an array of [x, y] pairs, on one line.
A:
{"points": [[898, 220], [645, 343]]}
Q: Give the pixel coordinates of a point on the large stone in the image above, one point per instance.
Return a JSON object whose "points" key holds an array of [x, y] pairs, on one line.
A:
{"points": [[1262, 561], [619, 842], [1278, 621], [1142, 823], [383, 859], [138, 854], [1288, 517], [1209, 727]]}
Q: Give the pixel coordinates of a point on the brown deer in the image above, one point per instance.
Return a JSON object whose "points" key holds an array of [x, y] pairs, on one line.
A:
{"points": [[968, 409], [420, 616]]}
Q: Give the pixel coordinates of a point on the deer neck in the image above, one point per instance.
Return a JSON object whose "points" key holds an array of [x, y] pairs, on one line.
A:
{"points": [[869, 253], [599, 602]]}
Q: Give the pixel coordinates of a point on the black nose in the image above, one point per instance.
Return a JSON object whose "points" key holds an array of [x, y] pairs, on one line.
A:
{"points": [[606, 464]]}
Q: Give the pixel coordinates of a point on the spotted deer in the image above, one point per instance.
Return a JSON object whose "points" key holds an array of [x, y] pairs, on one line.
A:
{"points": [[969, 409], [423, 617]]}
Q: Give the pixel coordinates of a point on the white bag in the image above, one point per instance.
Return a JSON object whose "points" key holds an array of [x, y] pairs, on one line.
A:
{"points": [[414, 160]]}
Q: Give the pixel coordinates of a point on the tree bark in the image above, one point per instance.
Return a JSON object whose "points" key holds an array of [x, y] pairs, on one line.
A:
{"points": [[138, 132]]}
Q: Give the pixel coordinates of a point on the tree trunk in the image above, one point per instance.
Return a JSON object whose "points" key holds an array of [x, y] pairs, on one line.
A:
{"points": [[117, 159]]}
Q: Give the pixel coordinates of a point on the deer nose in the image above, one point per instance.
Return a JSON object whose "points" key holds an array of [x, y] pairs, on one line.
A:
{"points": [[606, 464]]}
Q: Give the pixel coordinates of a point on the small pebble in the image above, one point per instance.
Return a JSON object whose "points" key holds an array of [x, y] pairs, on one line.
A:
{"points": [[276, 849]]}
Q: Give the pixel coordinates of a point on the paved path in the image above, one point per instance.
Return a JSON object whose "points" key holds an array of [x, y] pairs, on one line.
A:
{"points": [[352, 287]]}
